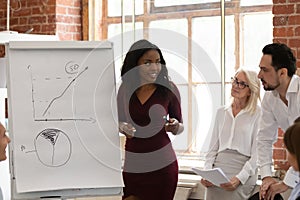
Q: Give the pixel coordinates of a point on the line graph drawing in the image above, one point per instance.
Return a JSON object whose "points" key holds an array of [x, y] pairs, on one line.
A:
{"points": [[51, 93], [64, 91], [53, 147]]}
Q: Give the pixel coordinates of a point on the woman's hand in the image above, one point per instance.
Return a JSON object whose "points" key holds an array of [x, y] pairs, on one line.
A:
{"points": [[174, 126], [206, 183], [231, 185], [127, 129]]}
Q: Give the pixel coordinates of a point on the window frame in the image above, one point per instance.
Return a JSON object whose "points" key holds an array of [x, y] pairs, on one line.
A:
{"points": [[95, 27]]}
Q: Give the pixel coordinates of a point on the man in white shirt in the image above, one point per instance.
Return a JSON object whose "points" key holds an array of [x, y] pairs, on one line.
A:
{"points": [[4, 140], [280, 107]]}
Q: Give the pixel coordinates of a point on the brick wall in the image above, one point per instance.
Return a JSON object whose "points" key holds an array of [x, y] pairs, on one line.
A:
{"points": [[68, 19], [279, 153], [51, 17], [286, 23]]}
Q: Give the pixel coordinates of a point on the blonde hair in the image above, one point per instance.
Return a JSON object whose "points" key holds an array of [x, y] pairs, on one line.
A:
{"points": [[254, 86]]}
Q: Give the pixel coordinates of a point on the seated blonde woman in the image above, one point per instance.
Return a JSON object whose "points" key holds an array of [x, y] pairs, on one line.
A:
{"points": [[233, 142]]}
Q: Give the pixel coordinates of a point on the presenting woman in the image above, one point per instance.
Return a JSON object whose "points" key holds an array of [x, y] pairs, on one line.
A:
{"points": [[148, 108]]}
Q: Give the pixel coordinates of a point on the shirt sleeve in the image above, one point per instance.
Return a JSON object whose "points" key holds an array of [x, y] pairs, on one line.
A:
{"points": [[266, 136], [214, 143], [291, 178], [250, 167]]}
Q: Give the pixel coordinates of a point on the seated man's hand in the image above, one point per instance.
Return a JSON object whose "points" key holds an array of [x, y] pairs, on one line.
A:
{"points": [[275, 189], [266, 183]]}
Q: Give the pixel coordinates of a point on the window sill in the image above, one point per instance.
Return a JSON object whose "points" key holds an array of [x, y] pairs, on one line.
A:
{"points": [[186, 162]]}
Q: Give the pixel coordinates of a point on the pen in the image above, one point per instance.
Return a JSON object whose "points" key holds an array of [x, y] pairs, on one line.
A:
{"points": [[166, 119]]}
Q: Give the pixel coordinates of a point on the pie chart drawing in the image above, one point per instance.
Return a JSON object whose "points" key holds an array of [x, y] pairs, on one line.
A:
{"points": [[53, 147]]}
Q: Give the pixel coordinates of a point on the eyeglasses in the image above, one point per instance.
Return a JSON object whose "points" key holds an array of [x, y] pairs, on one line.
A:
{"points": [[240, 84]]}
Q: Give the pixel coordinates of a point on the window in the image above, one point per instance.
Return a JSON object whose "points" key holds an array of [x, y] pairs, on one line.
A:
{"points": [[192, 37]]}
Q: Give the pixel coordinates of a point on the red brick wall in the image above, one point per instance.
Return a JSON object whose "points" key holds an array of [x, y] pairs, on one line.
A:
{"points": [[279, 153], [68, 19], [52, 17], [286, 23]]}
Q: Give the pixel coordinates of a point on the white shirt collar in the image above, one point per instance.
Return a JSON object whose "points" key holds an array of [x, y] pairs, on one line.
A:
{"points": [[293, 86], [228, 108]]}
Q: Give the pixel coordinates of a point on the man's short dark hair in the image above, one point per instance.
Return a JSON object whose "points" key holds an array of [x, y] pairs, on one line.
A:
{"points": [[282, 57]]}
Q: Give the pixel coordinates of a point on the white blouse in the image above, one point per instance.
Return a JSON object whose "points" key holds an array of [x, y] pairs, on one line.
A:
{"points": [[235, 133]]}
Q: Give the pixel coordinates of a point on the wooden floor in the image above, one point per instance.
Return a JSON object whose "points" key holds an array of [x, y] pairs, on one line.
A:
{"points": [[181, 194], [188, 186]]}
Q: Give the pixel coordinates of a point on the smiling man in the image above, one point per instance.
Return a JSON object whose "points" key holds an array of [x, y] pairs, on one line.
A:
{"points": [[280, 107]]}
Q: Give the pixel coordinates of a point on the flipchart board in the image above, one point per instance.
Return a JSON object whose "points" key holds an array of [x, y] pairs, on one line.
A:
{"points": [[63, 119]]}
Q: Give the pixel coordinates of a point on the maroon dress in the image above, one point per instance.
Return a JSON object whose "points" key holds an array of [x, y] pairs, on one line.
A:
{"points": [[150, 169]]}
